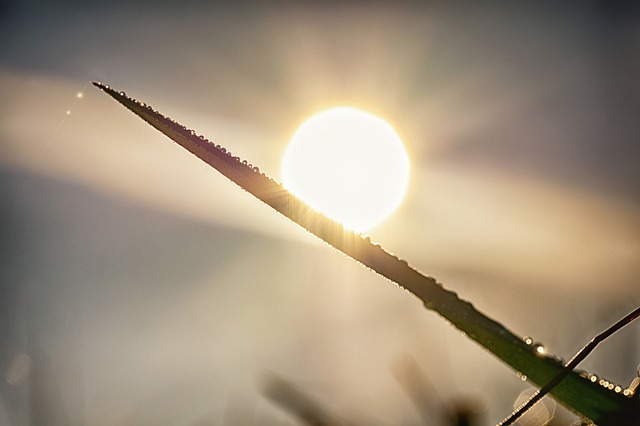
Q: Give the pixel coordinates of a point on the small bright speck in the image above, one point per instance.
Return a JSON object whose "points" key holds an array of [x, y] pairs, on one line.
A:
{"points": [[540, 349], [68, 112], [348, 164], [79, 95]]}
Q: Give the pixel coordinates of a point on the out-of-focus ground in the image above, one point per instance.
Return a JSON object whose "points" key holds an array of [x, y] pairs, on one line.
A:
{"points": [[140, 287]]}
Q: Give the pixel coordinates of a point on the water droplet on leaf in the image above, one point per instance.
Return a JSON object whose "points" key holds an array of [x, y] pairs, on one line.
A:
{"points": [[539, 349]]}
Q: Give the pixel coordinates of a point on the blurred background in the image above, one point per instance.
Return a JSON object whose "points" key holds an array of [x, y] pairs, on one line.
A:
{"points": [[138, 286]]}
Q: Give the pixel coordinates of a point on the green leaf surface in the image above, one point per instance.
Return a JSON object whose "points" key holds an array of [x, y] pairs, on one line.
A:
{"points": [[576, 391]]}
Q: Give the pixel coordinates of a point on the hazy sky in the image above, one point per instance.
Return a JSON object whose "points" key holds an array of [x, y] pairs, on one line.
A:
{"points": [[142, 288]]}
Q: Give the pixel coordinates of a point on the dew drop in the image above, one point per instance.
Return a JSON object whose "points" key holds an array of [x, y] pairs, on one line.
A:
{"points": [[528, 340], [224, 150], [256, 169], [617, 389], [244, 162], [122, 94], [539, 349], [593, 378]]}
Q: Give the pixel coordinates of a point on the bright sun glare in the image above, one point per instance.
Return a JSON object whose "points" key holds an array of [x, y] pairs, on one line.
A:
{"points": [[349, 164]]}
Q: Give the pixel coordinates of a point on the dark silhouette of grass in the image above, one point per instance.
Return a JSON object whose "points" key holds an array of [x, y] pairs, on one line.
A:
{"points": [[426, 400], [295, 401], [576, 390]]}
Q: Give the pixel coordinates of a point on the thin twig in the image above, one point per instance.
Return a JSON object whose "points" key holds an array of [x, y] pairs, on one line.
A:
{"points": [[569, 366]]}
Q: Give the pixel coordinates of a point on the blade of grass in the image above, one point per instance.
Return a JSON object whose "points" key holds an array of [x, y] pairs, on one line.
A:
{"points": [[422, 393], [577, 392], [301, 405]]}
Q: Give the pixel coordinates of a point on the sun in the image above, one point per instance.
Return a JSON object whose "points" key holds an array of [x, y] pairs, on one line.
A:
{"points": [[348, 164]]}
